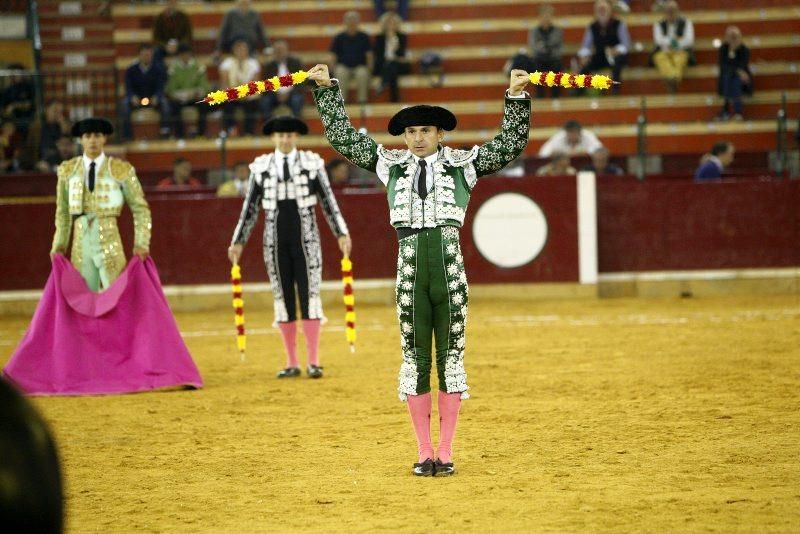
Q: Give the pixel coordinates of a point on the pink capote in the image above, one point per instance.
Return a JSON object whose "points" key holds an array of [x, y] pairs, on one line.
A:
{"points": [[122, 340]]}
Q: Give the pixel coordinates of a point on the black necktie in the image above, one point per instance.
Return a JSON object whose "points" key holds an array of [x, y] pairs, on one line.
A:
{"points": [[91, 177], [286, 169], [422, 181]]}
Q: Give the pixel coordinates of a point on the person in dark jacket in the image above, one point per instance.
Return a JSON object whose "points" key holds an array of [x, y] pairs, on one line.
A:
{"points": [[144, 87], [606, 43], [171, 30], [735, 78], [712, 165], [282, 63], [389, 51]]}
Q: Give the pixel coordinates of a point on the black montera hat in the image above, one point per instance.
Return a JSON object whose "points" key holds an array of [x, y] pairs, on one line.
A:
{"points": [[422, 115], [285, 124], [92, 125]]}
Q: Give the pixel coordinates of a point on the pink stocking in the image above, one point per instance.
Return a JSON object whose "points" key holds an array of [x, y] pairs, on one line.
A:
{"points": [[289, 333], [449, 404], [419, 406], [311, 329]]}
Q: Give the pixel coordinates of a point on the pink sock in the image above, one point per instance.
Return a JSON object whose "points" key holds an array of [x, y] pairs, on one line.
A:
{"points": [[419, 406], [289, 333], [311, 329], [449, 404]]}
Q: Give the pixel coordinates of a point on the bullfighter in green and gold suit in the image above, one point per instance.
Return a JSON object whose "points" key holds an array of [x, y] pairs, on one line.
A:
{"points": [[428, 187], [90, 193]]}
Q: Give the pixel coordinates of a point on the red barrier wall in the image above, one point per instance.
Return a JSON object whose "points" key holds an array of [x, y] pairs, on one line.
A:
{"points": [[642, 227]]}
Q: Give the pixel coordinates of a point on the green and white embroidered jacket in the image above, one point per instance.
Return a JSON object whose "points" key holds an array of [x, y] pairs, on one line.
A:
{"points": [[455, 172]]}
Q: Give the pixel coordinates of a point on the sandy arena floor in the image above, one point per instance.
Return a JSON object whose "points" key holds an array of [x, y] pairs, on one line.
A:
{"points": [[632, 415]]}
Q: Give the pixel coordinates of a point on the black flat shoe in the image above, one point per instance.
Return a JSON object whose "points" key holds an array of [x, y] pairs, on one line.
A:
{"points": [[314, 371], [425, 469], [444, 470], [289, 372]]}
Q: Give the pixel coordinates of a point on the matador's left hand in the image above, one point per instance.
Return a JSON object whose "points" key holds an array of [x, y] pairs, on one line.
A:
{"points": [[143, 253], [519, 79], [345, 245]]}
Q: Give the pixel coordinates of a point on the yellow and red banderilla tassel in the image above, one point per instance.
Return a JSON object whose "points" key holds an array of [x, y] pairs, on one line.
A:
{"points": [[349, 303], [254, 88], [238, 306], [571, 81]]}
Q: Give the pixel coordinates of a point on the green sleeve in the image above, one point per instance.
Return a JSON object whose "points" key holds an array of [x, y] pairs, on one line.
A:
{"points": [[142, 221], [359, 148], [63, 218], [510, 142]]}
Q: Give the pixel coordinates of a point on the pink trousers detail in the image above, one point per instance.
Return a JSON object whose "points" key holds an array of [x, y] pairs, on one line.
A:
{"points": [[449, 404], [311, 328], [289, 334]]}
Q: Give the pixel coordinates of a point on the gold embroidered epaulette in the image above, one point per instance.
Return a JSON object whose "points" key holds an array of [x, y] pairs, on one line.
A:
{"points": [[67, 168], [120, 169]]}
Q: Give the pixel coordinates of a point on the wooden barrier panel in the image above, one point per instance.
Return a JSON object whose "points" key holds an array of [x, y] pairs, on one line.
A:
{"points": [[647, 226]]}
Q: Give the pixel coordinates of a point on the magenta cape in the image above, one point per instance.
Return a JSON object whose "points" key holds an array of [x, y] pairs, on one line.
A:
{"points": [[122, 340]]}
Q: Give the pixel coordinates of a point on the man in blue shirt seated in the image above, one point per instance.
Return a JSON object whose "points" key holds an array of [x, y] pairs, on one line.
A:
{"points": [[145, 81], [712, 165]]}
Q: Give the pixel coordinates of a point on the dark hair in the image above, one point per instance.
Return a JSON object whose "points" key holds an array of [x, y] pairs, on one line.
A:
{"points": [[572, 124], [31, 498], [145, 46], [178, 161], [720, 148], [240, 163]]}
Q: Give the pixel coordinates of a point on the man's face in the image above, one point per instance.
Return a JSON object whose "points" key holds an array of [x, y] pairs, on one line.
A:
{"points": [[573, 136], [671, 10], [243, 5], [146, 55], [241, 50], [182, 171], [423, 141], [560, 165], [280, 49], [602, 11], [285, 141], [727, 157], [93, 143], [241, 173]]}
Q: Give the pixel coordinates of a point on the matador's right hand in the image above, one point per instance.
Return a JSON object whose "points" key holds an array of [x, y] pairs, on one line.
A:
{"points": [[57, 252], [319, 73], [235, 252]]}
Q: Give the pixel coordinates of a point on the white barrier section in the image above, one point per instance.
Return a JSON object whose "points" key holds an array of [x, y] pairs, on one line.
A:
{"points": [[587, 227]]}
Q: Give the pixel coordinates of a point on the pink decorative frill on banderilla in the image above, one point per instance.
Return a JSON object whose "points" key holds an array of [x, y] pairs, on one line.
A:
{"points": [[121, 340]]}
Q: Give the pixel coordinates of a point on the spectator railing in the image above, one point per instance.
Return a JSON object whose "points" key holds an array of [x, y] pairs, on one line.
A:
{"points": [[780, 145], [641, 140]]}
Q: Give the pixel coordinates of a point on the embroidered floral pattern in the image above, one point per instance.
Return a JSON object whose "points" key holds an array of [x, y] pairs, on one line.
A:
{"points": [[454, 373], [406, 274], [358, 148], [510, 142]]}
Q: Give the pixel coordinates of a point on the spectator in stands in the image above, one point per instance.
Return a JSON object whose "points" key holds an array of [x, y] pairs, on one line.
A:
{"points": [[389, 51], [238, 69], [559, 166], [17, 100], [241, 24], [237, 187], [674, 39], [65, 149], [735, 78], [573, 139], [712, 165], [601, 165], [606, 43], [352, 51], [400, 7], [186, 85], [546, 45], [293, 97], [55, 125], [181, 176], [144, 88], [339, 172], [12, 143], [171, 30]]}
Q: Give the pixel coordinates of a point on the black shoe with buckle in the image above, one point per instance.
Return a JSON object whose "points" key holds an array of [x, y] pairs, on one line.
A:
{"points": [[444, 470], [314, 371], [425, 469], [289, 372]]}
